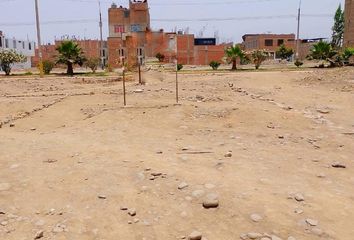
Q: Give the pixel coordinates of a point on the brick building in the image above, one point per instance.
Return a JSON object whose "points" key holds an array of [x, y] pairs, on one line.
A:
{"points": [[349, 23], [131, 38], [268, 42], [91, 49]]}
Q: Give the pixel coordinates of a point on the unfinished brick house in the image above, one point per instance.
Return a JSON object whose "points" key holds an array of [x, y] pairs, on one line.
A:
{"points": [[268, 42], [349, 24], [131, 38]]}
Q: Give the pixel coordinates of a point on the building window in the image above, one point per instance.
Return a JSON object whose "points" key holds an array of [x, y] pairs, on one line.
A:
{"points": [[126, 13], [280, 42], [14, 44], [29, 46], [268, 42], [23, 45], [0, 42], [7, 43], [119, 29]]}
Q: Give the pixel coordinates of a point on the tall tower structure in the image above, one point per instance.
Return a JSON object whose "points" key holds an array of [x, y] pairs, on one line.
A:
{"points": [[349, 23]]}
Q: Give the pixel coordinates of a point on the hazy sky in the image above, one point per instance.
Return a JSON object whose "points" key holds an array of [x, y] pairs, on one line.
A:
{"points": [[80, 17]]}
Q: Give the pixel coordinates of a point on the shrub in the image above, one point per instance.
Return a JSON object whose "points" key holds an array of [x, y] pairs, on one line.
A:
{"points": [[160, 57], [92, 63], [298, 63], [214, 65], [8, 58], [28, 73], [348, 53], [284, 53], [179, 67], [47, 66], [258, 57]]}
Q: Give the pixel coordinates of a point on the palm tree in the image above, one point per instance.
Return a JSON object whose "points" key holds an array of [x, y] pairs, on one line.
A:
{"points": [[233, 53], [322, 51], [70, 54]]}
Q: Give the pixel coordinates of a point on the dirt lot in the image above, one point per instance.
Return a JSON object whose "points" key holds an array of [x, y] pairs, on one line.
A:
{"points": [[269, 147]]}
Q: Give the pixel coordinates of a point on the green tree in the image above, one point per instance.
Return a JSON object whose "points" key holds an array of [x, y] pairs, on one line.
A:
{"points": [[70, 54], [322, 51], [214, 65], [338, 28], [8, 58], [160, 57], [48, 66], [258, 57], [234, 53], [284, 53], [92, 63], [348, 53]]}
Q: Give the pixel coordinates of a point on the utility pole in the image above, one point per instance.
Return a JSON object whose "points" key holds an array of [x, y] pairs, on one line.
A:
{"points": [[298, 32], [40, 64], [101, 37], [177, 97]]}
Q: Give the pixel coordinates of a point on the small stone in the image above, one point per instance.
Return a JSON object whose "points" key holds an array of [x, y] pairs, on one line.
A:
{"points": [[102, 196], [298, 211], [3, 223], [39, 234], [321, 175], [312, 222], [253, 235], [338, 165], [138, 91], [130, 222], [123, 208], [299, 197], [12, 125], [33, 129], [243, 236], [291, 238], [132, 212], [182, 185], [228, 155], [156, 174], [256, 218], [195, 235], [136, 220], [211, 201]]}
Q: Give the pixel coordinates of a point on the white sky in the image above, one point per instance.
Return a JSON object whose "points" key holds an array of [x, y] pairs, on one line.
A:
{"points": [[17, 17]]}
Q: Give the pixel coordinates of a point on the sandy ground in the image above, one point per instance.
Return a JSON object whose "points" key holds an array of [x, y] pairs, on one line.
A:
{"points": [[270, 146]]}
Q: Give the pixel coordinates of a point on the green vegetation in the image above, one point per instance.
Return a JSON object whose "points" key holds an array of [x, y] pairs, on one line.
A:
{"points": [[48, 66], [8, 58], [70, 54], [348, 53], [160, 57], [298, 63], [338, 29], [214, 65], [92, 63], [258, 57], [179, 67], [234, 53], [284, 53]]}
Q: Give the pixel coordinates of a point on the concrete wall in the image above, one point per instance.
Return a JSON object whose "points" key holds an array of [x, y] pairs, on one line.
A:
{"points": [[24, 47]]}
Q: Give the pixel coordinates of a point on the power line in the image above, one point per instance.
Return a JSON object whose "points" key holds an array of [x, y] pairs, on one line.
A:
{"points": [[255, 18]]}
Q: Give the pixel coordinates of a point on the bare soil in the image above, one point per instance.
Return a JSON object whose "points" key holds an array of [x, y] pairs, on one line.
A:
{"points": [[71, 156]]}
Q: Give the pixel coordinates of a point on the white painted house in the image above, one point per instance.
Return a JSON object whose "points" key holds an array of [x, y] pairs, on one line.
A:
{"points": [[21, 46]]}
